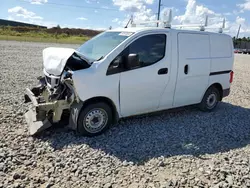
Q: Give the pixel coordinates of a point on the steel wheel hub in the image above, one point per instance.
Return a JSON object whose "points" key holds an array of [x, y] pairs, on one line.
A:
{"points": [[211, 100], [95, 120]]}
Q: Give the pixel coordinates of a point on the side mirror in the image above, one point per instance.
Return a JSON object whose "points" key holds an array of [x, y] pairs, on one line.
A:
{"points": [[117, 61], [133, 61]]}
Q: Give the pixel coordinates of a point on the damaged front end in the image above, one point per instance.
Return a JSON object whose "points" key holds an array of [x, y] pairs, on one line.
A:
{"points": [[48, 105], [52, 99]]}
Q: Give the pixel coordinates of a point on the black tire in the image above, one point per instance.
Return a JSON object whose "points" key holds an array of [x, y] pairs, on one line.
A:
{"points": [[210, 100], [84, 123]]}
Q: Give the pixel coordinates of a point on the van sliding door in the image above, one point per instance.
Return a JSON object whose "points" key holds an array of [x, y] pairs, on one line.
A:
{"points": [[193, 68]]}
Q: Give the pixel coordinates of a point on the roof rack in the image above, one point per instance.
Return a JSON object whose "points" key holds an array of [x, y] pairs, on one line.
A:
{"points": [[167, 23]]}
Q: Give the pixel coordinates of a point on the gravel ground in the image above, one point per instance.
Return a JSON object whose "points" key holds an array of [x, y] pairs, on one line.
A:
{"points": [[182, 148]]}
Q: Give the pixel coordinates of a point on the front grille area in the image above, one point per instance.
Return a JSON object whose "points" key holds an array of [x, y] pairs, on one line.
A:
{"points": [[48, 79], [53, 82]]}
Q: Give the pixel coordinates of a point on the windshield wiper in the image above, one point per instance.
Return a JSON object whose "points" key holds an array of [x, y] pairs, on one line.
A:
{"points": [[100, 58]]}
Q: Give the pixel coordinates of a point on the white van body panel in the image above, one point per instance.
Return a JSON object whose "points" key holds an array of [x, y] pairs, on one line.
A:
{"points": [[142, 90], [222, 59], [167, 97], [108, 87], [194, 53], [221, 52]]}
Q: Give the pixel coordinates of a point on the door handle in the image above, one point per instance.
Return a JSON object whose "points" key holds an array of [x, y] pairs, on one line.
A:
{"points": [[186, 69], [163, 71]]}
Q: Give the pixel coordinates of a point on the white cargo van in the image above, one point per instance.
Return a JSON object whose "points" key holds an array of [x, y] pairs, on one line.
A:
{"points": [[130, 71]]}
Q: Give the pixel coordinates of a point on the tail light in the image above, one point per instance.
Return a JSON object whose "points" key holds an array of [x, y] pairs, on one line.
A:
{"points": [[231, 76]]}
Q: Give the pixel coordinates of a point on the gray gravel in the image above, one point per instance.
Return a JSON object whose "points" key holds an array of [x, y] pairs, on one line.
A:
{"points": [[178, 148]]}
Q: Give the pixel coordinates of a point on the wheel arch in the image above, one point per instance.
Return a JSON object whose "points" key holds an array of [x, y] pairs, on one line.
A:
{"points": [[106, 100], [218, 86]]}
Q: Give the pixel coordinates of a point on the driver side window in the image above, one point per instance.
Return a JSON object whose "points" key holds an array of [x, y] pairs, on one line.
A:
{"points": [[150, 49]]}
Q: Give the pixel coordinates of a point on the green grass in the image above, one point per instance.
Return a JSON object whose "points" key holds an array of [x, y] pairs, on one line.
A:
{"points": [[7, 34]]}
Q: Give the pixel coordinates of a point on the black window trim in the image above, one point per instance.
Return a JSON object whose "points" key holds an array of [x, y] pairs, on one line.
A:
{"points": [[127, 46]]}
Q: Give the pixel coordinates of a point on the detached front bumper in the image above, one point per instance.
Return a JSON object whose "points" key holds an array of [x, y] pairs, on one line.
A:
{"points": [[36, 126], [35, 123], [41, 115]]}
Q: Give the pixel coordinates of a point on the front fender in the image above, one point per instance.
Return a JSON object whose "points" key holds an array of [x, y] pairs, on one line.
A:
{"points": [[91, 84]]}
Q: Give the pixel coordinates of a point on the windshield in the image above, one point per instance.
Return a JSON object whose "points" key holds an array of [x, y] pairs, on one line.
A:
{"points": [[102, 44]]}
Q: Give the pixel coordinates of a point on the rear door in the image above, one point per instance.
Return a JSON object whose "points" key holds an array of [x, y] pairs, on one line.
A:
{"points": [[193, 68]]}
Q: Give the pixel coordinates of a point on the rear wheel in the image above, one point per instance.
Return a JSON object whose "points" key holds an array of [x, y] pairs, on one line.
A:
{"points": [[210, 100], [94, 119]]}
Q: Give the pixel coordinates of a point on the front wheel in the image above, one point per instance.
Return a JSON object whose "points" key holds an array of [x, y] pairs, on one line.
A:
{"points": [[94, 119], [210, 100]]}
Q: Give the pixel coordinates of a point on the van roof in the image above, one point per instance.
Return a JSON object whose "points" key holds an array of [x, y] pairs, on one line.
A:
{"points": [[137, 29], [141, 29]]}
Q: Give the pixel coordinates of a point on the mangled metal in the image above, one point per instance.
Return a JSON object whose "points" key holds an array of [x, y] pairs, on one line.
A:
{"points": [[54, 94], [55, 59]]}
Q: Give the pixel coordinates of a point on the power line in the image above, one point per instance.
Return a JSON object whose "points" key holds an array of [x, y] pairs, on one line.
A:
{"points": [[76, 6]]}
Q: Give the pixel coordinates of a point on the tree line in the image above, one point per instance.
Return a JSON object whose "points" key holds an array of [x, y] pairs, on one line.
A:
{"points": [[54, 30]]}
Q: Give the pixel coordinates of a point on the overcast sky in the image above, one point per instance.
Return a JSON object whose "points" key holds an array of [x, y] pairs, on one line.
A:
{"points": [[100, 14]]}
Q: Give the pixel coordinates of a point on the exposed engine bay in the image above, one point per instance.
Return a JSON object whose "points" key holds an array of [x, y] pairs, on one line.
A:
{"points": [[53, 96]]}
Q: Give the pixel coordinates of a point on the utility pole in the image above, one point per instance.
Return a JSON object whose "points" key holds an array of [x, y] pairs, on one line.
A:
{"points": [[159, 12], [238, 32]]}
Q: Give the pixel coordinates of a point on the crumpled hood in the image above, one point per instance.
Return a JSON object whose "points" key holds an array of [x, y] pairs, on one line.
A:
{"points": [[55, 59]]}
